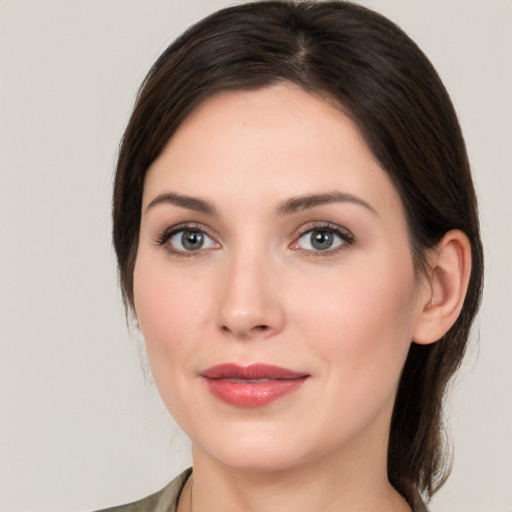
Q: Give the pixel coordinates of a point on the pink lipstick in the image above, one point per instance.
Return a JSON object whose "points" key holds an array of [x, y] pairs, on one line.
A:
{"points": [[251, 386]]}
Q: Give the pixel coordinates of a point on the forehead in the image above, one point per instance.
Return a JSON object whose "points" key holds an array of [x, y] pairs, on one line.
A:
{"points": [[269, 143]]}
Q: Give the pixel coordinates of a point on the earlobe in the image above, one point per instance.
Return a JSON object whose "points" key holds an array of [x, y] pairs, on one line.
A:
{"points": [[445, 287]]}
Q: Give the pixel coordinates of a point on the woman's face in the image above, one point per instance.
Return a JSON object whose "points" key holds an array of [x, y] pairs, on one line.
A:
{"points": [[270, 237]]}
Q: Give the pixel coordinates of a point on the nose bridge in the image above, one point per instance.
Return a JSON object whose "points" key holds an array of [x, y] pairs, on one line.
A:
{"points": [[249, 300]]}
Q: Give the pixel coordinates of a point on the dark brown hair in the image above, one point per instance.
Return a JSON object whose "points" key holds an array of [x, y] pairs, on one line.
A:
{"points": [[362, 62]]}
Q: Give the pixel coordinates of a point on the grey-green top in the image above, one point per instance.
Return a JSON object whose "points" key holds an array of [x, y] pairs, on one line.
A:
{"points": [[165, 500]]}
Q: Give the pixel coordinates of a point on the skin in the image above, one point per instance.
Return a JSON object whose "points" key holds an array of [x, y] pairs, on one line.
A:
{"points": [[259, 292]]}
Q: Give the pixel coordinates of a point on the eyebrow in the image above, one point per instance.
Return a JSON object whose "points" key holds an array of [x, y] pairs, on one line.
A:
{"points": [[287, 207], [305, 202], [191, 203]]}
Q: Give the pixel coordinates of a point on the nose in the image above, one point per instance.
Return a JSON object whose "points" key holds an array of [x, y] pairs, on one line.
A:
{"points": [[250, 305]]}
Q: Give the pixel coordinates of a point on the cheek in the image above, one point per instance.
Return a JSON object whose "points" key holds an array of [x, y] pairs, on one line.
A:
{"points": [[358, 330], [363, 321], [168, 309]]}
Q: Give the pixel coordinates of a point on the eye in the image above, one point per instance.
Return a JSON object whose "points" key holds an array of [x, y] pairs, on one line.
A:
{"points": [[186, 240], [323, 239], [191, 240]]}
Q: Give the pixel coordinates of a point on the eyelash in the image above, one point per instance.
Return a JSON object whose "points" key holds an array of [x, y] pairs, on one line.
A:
{"points": [[344, 234], [170, 232]]}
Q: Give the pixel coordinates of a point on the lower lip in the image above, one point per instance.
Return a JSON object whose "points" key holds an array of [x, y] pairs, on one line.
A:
{"points": [[252, 395]]}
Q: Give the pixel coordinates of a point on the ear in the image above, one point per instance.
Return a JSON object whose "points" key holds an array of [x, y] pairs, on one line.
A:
{"points": [[445, 287]]}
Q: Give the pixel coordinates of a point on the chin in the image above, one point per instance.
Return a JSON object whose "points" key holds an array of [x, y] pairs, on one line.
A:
{"points": [[263, 448], [258, 448], [252, 457]]}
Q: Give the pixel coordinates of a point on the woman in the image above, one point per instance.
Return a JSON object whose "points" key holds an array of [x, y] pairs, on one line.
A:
{"points": [[297, 236]]}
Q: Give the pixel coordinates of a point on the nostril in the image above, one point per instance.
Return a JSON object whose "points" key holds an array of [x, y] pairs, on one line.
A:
{"points": [[245, 332]]}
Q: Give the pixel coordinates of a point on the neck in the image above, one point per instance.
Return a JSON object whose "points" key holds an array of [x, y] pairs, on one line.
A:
{"points": [[352, 483]]}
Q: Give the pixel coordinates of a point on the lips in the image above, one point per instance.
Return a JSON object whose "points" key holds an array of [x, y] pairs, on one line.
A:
{"points": [[251, 386]]}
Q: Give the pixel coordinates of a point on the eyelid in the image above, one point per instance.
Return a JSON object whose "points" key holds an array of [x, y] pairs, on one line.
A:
{"points": [[168, 233], [345, 234]]}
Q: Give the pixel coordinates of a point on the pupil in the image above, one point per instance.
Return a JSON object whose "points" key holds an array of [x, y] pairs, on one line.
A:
{"points": [[192, 240], [321, 240]]}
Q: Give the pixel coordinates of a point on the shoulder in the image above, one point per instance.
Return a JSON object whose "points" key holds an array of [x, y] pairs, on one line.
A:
{"points": [[164, 500]]}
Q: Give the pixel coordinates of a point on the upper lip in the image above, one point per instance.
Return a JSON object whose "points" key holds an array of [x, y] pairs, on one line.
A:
{"points": [[251, 372]]}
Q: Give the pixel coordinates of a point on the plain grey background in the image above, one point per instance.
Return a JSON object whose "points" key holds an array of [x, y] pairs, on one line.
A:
{"points": [[81, 426]]}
